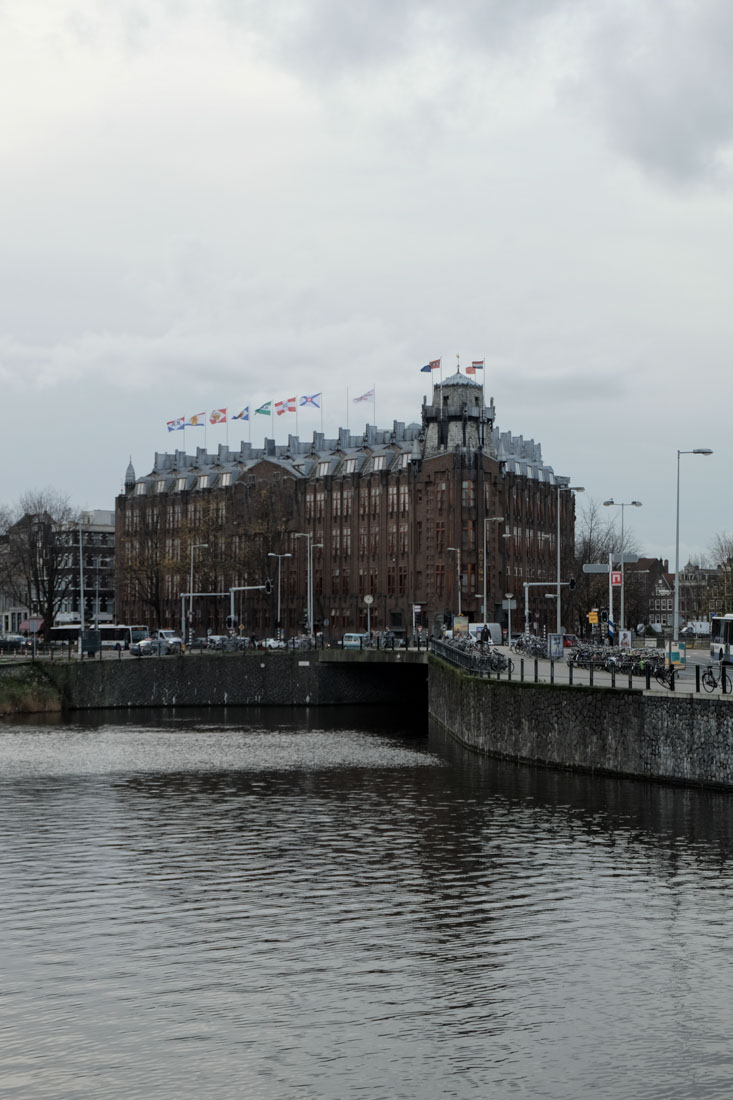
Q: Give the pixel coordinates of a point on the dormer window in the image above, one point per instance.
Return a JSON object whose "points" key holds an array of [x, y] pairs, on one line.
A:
{"points": [[160, 486], [225, 479], [140, 489], [323, 468], [350, 465], [202, 481], [378, 462], [181, 484]]}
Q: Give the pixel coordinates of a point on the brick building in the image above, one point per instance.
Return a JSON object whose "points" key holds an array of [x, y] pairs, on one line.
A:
{"points": [[403, 514]]}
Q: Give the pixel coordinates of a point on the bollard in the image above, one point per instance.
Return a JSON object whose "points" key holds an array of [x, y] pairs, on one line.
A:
{"points": [[552, 672], [648, 674], [570, 675], [631, 678], [536, 669], [697, 679], [521, 670], [613, 676], [671, 680], [590, 667]]}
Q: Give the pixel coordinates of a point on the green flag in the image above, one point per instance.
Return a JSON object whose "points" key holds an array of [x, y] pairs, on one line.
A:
{"points": [[264, 410]]}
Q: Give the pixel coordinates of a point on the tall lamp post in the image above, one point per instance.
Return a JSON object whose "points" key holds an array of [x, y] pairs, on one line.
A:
{"points": [[676, 618], [487, 520], [558, 608], [309, 548], [194, 546], [622, 504], [279, 570], [457, 551]]}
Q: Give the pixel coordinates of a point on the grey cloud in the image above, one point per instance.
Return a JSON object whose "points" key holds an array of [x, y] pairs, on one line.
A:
{"points": [[659, 77]]}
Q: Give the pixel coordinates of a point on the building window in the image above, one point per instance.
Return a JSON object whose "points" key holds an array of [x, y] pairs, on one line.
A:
{"points": [[160, 486], [440, 535], [405, 460], [180, 484], [468, 494], [402, 580], [391, 580], [392, 499], [140, 489], [403, 499], [403, 538], [323, 468], [439, 580], [378, 462], [202, 482], [225, 479], [468, 539], [349, 465]]}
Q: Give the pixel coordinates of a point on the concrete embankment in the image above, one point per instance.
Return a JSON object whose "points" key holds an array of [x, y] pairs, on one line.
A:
{"points": [[303, 678], [676, 738]]}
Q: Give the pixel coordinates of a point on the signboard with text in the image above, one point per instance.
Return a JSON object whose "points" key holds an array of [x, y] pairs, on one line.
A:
{"points": [[616, 579]]}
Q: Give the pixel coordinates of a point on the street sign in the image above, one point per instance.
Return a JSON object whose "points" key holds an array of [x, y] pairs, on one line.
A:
{"points": [[368, 600], [595, 568], [592, 617], [509, 605], [616, 579]]}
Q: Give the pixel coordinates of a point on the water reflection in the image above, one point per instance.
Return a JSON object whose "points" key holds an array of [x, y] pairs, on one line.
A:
{"points": [[251, 903]]}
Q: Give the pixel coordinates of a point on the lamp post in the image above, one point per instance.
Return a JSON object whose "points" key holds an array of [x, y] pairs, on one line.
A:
{"points": [[279, 570], [457, 551], [562, 489], [676, 618], [622, 504], [487, 520], [194, 546], [309, 548], [509, 596]]}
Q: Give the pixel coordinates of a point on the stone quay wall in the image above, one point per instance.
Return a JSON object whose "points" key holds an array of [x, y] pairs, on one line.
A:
{"points": [[676, 738], [214, 680]]}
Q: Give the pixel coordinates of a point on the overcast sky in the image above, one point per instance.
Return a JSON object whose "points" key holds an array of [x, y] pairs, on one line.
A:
{"points": [[213, 204]]}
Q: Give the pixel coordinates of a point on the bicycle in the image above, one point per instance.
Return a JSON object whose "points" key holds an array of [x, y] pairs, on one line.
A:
{"points": [[665, 676], [710, 681]]}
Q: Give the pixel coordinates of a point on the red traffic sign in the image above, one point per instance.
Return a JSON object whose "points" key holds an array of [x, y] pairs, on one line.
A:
{"points": [[616, 579]]}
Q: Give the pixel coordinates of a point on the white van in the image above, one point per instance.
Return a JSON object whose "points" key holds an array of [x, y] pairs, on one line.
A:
{"points": [[354, 641], [495, 632]]}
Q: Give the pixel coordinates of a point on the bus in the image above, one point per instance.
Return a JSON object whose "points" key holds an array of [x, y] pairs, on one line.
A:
{"points": [[721, 638], [111, 635]]}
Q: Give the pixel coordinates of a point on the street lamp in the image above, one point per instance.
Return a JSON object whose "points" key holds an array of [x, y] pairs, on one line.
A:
{"points": [[622, 504], [457, 551], [676, 619], [279, 569], [487, 520], [194, 546], [309, 548], [562, 489], [509, 596]]}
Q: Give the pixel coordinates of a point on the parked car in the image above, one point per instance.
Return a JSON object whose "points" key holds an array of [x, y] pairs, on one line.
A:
{"points": [[275, 643], [145, 647], [569, 640]]}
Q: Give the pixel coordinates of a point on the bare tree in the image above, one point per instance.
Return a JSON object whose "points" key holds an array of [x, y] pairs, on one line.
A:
{"points": [[721, 553], [596, 536], [35, 566]]}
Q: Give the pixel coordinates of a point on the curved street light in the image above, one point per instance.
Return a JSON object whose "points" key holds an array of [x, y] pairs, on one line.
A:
{"points": [[676, 617]]}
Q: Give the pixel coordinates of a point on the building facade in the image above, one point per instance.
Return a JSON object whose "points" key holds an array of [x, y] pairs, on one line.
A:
{"points": [[426, 518]]}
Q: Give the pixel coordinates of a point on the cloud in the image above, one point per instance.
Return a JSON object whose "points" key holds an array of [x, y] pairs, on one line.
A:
{"points": [[659, 79]]}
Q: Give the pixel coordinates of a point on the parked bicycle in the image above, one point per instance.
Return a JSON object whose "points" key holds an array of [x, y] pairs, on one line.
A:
{"points": [[714, 675]]}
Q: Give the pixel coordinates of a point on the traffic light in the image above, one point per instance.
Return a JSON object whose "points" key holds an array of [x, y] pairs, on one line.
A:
{"points": [[268, 587], [232, 622], [571, 583], [604, 614]]}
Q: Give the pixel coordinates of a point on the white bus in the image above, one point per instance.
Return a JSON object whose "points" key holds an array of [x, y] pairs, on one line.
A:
{"points": [[721, 638], [110, 634]]}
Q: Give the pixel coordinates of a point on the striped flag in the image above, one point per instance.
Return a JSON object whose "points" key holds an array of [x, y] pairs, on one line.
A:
{"points": [[477, 364], [288, 406]]}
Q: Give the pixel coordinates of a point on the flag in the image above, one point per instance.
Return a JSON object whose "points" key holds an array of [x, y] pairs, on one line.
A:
{"points": [[264, 410], [477, 364], [314, 399], [285, 406], [434, 364], [243, 415], [176, 425], [218, 416], [197, 421], [368, 396]]}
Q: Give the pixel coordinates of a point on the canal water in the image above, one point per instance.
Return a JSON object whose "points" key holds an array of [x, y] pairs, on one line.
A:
{"points": [[333, 904]]}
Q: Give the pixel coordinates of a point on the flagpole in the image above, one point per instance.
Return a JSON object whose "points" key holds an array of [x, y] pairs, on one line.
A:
{"points": [[347, 408], [297, 399], [374, 402], [321, 412]]}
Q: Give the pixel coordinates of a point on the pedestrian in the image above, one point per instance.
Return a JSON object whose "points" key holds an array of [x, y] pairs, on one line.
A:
{"points": [[485, 635]]}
